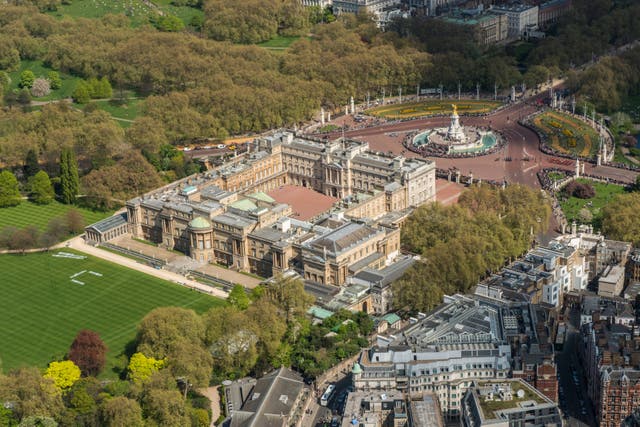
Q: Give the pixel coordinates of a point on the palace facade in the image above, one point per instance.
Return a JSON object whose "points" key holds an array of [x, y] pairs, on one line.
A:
{"points": [[225, 216]]}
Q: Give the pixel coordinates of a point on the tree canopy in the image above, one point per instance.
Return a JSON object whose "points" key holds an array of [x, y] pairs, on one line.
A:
{"points": [[9, 190], [41, 188], [620, 218], [88, 351], [460, 244]]}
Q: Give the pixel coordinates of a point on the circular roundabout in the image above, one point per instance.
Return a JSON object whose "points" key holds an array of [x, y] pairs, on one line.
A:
{"points": [[453, 141]]}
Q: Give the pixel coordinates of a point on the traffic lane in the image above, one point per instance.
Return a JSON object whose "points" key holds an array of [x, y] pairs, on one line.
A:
{"points": [[335, 406], [573, 398]]}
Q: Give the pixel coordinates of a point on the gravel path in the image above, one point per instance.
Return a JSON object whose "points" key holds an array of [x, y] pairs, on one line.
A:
{"points": [[79, 244]]}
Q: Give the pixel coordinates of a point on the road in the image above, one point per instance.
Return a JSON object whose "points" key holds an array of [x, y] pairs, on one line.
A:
{"points": [[572, 385], [325, 414], [517, 162]]}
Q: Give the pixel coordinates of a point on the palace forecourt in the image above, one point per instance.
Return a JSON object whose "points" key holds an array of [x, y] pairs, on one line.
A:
{"points": [[227, 215]]}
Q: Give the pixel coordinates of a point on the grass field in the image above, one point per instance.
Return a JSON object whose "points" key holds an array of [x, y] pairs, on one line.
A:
{"points": [[27, 213], [279, 42], [185, 13], [137, 11], [42, 309], [68, 82], [567, 134], [604, 193], [432, 108], [123, 113]]}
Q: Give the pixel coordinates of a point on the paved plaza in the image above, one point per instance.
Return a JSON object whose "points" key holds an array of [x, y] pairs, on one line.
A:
{"points": [[517, 162]]}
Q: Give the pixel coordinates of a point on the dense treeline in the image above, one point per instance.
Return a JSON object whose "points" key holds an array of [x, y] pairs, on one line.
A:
{"points": [[620, 217], [224, 88], [459, 244], [592, 28], [44, 139], [254, 21]]}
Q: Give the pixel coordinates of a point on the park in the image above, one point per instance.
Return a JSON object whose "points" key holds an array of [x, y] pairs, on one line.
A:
{"points": [[567, 134], [433, 108], [48, 297], [588, 210]]}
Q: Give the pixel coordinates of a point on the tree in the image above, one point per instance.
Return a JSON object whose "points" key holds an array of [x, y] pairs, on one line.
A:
{"points": [[31, 394], [31, 164], [41, 189], [54, 79], [88, 351], [38, 421], [26, 79], [238, 297], [40, 87], [64, 374], [169, 23], [232, 340], [102, 89], [161, 329], [82, 92], [24, 238], [9, 190], [9, 56], [24, 97], [4, 80], [580, 190], [288, 295], [165, 407], [620, 218], [636, 185], [74, 221], [110, 185], [142, 367], [120, 412], [69, 180], [585, 216]]}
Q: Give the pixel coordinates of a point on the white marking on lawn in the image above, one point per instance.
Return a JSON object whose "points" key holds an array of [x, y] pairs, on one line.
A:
{"points": [[77, 274]]}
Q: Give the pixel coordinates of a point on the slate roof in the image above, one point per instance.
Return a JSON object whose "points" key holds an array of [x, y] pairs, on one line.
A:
{"points": [[109, 223], [344, 237], [272, 397]]}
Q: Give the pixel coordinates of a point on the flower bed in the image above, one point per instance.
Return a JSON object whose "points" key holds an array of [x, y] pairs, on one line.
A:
{"points": [[564, 134], [432, 108]]}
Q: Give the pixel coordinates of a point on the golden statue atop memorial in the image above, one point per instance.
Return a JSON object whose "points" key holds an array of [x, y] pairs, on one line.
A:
{"points": [[455, 109]]}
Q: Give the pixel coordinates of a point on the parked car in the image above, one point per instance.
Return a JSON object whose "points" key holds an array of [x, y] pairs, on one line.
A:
{"points": [[221, 146]]}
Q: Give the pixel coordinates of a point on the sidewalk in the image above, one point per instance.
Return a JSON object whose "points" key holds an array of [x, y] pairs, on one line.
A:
{"points": [[170, 257], [212, 394], [78, 244]]}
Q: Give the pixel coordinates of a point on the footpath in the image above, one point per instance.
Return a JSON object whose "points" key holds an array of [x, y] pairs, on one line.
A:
{"points": [[79, 244]]}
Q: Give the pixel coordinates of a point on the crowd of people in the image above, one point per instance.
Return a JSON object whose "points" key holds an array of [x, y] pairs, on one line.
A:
{"points": [[430, 149]]}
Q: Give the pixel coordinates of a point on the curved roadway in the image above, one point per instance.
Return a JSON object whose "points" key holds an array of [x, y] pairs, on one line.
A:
{"points": [[523, 143]]}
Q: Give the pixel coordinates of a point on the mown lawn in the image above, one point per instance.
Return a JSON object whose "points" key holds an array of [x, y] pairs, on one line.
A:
{"points": [[42, 309], [27, 213], [279, 42], [38, 68], [136, 10], [604, 194], [185, 13], [127, 109]]}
